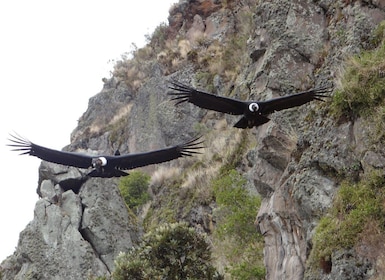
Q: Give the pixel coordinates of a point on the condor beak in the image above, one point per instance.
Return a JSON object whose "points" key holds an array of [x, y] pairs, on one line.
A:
{"points": [[99, 162], [96, 163]]}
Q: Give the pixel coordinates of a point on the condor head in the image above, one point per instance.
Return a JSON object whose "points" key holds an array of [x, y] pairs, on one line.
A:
{"points": [[253, 107], [99, 162]]}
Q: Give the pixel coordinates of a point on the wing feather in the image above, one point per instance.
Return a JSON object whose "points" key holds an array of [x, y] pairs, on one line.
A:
{"points": [[26, 147], [293, 100], [183, 93], [132, 161]]}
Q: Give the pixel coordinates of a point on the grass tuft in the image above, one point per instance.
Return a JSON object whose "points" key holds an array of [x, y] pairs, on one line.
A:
{"points": [[356, 207]]}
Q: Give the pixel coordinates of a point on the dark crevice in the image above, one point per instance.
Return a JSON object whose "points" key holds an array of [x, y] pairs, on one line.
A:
{"points": [[326, 265], [88, 236]]}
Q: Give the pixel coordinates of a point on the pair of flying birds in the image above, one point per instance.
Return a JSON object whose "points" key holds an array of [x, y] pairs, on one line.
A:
{"points": [[254, 113]]}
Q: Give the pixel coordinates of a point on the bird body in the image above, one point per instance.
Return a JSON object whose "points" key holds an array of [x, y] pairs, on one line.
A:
{"points": [[254, 112], [105, 166]]}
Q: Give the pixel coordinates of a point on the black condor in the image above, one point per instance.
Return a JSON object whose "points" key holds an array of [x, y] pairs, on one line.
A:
{"points": [[254, 112], [105, 166]]}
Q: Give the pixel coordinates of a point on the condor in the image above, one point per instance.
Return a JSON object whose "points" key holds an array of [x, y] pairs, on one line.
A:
{"points": [[254, 112], [105, 166]]}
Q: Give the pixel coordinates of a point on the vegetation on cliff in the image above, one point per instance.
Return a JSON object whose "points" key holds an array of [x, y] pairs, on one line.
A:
{"points": [[356, 219], [172, 251], [214, 181], [210, 182], [134, 189], [361, 91]]}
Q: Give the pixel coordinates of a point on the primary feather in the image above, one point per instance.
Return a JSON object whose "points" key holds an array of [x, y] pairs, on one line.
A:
{"points": [[26, 147], [183, 93]]}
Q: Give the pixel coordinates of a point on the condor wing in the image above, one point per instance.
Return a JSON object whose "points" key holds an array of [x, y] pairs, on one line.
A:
{"points": [[26, 147], [293, 100], [183, 93], [132, 161]]}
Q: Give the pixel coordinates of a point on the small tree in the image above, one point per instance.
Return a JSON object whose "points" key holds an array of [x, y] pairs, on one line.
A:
{"points": [[134, 189], [172, 251]]}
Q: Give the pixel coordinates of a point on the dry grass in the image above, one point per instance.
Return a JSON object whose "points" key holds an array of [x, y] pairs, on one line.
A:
{"points": [[95, 128], [122, 113], [184, 48], [196, 182], [163, 175], [223, 142], [131, 71], [199, 177]]}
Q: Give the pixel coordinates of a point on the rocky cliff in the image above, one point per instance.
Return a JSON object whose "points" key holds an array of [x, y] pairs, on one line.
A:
{"points": [[298, 163]]}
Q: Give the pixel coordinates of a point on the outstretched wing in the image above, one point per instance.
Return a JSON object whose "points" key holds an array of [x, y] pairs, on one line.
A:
{"points": [[183, 93], [293, 100], [131, 161], [26, 147]]}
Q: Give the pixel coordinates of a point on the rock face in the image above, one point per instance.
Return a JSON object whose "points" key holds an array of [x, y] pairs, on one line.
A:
{"points": [[73, 235], [80, 226], [301, 187]]}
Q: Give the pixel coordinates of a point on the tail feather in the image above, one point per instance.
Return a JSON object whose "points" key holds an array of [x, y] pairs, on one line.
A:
{"points": [[107, 174], [251, 122]]}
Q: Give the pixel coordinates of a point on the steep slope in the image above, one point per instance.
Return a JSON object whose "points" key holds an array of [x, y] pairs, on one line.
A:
{"points": [[297, 163]]}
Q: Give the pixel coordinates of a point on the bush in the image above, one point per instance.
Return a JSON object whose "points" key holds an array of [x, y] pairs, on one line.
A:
{"points": [[235, 223], [172, 251], [362, 83], [354, 207], [134, 189], [238, 208]]}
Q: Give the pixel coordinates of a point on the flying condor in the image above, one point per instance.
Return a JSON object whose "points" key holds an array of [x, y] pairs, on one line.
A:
{"points": [[254, 112], [105, 166]]}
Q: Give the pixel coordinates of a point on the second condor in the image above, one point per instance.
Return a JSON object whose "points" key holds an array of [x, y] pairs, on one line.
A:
{"points": [[254, 112]]}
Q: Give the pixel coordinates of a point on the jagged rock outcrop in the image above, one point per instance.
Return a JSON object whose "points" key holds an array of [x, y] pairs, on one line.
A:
{"points": [[73, 235]]}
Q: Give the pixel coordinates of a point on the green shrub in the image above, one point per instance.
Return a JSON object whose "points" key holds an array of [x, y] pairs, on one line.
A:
{"points": [[134, 189], [238, 207], [158, 38], [354, 207], [172, 251], [248, 270], [362, 83], [378, 34], [235, 216]]}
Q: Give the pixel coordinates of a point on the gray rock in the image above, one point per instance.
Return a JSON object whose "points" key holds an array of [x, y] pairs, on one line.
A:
{"points": [[51, 246], [47, 190], [298, 182], [62, 177], [346, 265], [106, 223], [73, 236]]}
